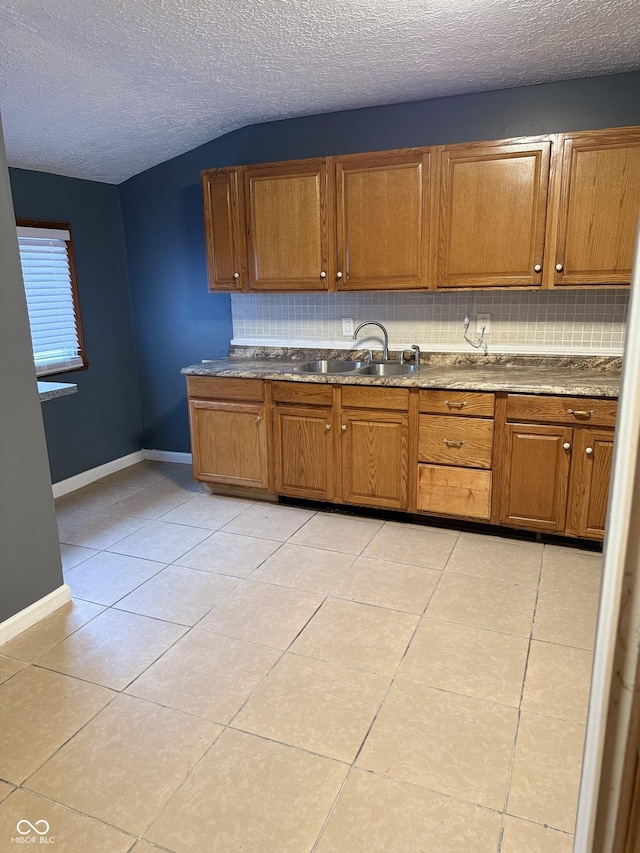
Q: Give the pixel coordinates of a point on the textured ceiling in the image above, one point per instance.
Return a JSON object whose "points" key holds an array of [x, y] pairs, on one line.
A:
{"points": [[103, 89]]}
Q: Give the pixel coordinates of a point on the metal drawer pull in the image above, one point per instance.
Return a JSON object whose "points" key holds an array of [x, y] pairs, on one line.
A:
{"points": [[453, 443], [453, 405], [582, 413], [589, 451]]}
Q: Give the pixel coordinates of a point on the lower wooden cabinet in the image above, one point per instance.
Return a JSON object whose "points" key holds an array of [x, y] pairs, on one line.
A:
{"points": [[304, 454], [229, 443], [536, 477], [375, 458], [555, 478], [589, 487], [535, 462]]}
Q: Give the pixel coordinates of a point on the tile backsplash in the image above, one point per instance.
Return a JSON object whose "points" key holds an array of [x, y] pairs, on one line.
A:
{"points": [[553, 322]]}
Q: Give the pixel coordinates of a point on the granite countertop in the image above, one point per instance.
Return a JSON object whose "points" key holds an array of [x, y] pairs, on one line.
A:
{"points": [[49, 390], [588, 376]]}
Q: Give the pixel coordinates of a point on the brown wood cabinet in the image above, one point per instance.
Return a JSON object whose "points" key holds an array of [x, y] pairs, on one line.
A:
{"points": [[492, 214], [288, 208], [555, 478], [230, 440], [455, 453], [304, 440], [554, 211], [224, 217], [595, 209], [383, 220]]}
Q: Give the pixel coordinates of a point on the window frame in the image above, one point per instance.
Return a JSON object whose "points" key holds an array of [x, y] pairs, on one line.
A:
{"points": [[63, 226]]}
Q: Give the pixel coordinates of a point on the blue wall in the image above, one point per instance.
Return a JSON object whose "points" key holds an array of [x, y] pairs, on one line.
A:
{"points": [[103, 420]]}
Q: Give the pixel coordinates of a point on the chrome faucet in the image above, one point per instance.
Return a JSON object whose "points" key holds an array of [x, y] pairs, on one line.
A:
{"points": [[385, 348]]}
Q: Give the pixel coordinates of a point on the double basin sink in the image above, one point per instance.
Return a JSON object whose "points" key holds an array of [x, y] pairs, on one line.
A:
{"points": [[358, 368]]}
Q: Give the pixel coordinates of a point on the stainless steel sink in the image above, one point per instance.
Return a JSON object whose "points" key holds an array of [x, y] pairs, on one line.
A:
{"points": [[387, 368], [332, 365]]}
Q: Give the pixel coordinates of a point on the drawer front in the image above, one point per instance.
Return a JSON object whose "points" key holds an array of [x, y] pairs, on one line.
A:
{"points": [[585, 411], [375, 398], [454, 491], [455, 441], [466, 403], [221, 388], [309, 394]]}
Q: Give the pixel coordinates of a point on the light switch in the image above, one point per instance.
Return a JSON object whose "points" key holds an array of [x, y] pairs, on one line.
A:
{"points": [[347, 326]]}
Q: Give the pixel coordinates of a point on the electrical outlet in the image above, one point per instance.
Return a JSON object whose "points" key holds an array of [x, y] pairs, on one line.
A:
{"points": [[483, 320], [347, 326]]}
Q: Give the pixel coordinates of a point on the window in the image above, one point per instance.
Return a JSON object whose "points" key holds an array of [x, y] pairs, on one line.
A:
{"points": [[48, 270]]}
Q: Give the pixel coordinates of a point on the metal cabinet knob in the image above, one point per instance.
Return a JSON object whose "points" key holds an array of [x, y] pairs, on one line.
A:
{"points": [[566, 446], [559, 267], [338, 275], [589, 451], [537, 268], [236, 275], [343, 427], [327, 427], [259, 418], [323, 274]]}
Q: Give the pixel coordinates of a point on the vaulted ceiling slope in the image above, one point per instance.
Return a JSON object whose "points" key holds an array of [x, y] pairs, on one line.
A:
{"points": [[104, 89]]}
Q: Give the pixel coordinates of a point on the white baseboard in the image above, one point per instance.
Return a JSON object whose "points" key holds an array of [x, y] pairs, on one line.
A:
{"points": [[93, 474], [167, 456], [28, 617]]}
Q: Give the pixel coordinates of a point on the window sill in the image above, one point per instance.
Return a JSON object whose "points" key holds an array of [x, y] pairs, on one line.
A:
{"points": [[49, 390]]}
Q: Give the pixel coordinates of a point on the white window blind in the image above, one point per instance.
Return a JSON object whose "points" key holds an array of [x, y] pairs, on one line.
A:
{"points": [[44, 257]]}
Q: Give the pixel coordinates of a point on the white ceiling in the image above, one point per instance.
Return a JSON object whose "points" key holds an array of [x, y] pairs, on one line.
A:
{"points": [[103, 89]]}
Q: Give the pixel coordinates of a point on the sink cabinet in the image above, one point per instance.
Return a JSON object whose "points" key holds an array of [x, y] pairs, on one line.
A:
{"points": [[536, 462], [304, 440], [374, 428]]}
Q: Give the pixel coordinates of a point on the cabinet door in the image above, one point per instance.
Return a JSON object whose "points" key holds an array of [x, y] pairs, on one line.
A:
{"points": [[288, 218], [589, 488], [492, 212], [535, 477], [304, 452], [375, 458], [598, 208], [229, 443], [224, 226], [382, 220]]}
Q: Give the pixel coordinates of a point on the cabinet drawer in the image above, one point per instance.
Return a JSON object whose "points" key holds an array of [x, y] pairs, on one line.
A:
{"points": [[454, 491], [467, 403], [299, 392], [587, 411], [221, 388], [375, 398], [455, 441]]}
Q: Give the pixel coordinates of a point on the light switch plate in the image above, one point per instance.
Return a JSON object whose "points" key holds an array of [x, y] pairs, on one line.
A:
{"points": [[347, 325]]}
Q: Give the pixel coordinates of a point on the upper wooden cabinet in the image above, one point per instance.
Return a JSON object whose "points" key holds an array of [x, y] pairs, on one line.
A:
{"points": [[223, 200], [492, 213], [382, 220], [287, 205], [596, 207], [552, 211]]}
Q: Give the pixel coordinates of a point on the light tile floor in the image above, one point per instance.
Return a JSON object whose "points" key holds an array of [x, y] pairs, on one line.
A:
{"points": [[242, 676]]}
